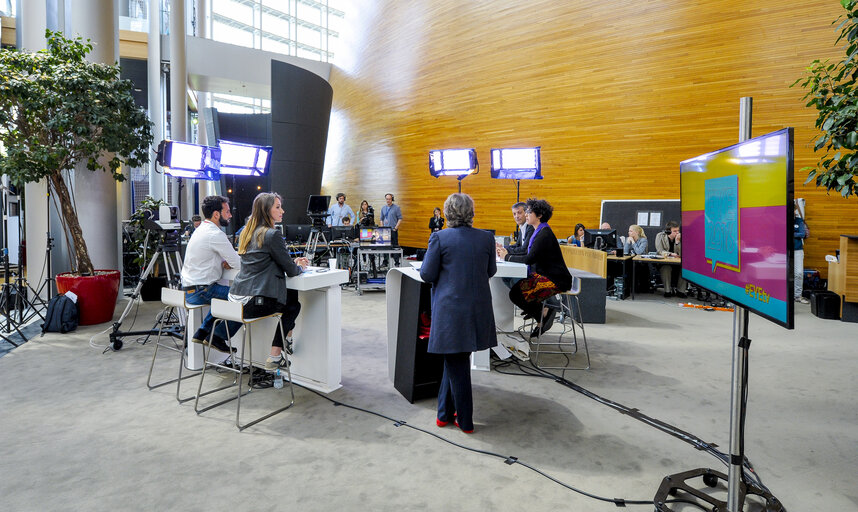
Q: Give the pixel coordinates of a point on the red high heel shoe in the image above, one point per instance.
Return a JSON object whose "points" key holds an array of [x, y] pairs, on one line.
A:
{"points": [[463, 430], [441, 423]]}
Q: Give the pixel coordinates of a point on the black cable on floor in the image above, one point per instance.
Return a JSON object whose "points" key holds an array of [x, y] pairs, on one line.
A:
{"points": [[508, 459]]}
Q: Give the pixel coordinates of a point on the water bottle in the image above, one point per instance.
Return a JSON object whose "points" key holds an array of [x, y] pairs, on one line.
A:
{"points": [[278, 379]]}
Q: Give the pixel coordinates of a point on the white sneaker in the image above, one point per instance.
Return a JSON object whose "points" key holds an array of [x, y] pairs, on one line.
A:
{"points": [[274, 362], [804, 300]]}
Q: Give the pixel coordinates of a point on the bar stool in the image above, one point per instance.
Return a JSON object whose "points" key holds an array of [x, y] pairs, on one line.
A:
{"points": [[174, 303], [223, 310], [541, 345]]}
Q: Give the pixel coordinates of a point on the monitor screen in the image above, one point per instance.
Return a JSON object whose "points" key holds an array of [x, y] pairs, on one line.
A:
{"points": [[382, 235], [297, 233], [737, 224], [600, 238], [365, 234], [317, 205], [452, 162], [517, 163], [342, 232]]}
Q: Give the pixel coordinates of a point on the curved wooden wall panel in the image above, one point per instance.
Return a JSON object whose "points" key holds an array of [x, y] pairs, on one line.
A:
{"points": [[616, 97]]}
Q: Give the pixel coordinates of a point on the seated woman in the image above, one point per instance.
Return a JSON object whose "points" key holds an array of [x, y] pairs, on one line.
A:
{"points": [[547, 274], [636, 243], [260, 284], [578, 237]]}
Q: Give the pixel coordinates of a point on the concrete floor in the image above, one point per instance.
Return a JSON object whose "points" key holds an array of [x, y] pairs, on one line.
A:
{"points": [[80, 430]]}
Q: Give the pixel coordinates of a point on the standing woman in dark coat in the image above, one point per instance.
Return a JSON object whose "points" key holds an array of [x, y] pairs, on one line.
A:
{"points": [[436, 223], [459, 262], [547, 274]]}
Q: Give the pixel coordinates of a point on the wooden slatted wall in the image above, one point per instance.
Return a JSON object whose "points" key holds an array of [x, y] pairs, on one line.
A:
{"points": [[617, 94]]}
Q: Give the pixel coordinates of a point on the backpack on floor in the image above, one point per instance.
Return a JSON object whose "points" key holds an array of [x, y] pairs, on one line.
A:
{"points": [[61, 315]]}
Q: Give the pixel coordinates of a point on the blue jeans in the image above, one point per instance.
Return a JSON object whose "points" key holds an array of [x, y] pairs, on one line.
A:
{"points": [[204, 295]]}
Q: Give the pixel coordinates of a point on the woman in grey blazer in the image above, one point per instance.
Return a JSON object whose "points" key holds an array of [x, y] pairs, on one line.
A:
{"points": [[458, 263], [265, 262]]}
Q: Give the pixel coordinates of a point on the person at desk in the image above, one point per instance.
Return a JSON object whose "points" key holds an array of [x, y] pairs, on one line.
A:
{"points": [[260, 284], [547, 274], [366, 218], [636, 243], [209, 252], [578, 237], [668, 245], [196, 220], [436, 223], [340, 211], [520, 239], [459, 262]]}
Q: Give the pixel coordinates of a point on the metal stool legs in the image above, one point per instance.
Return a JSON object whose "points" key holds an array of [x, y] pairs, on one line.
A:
{"points": [[541, 346], [165, 316], [245, 362]]}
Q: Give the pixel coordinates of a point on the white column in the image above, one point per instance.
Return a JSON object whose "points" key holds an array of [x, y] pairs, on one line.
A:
{"points": [[95, 192], [178, 84], [156, 91], [31, 24]]}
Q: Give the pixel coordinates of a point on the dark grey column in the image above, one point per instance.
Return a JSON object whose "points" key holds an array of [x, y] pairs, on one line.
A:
{"points": [[300, 113]]}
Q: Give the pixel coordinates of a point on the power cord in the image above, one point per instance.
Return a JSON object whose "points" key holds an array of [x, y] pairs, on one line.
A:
{"points": [[508, 459]]}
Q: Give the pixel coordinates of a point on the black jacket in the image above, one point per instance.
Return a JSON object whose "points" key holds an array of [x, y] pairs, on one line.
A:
{"points": [[520, 246], [545, 259]]}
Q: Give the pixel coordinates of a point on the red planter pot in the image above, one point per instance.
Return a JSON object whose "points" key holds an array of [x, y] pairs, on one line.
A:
{"points": [[96, 294]]}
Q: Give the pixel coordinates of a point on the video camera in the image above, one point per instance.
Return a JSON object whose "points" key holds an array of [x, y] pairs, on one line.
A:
{"points": [[166, 218]]}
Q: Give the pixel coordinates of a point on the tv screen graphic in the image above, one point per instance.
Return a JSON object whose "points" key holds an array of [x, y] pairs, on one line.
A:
{"points": [[737, 224]]}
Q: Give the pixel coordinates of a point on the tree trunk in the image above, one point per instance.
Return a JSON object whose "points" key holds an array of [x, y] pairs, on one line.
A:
{"points": [[84, 263]]}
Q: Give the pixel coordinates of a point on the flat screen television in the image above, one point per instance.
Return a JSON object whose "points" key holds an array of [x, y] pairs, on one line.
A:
{"points": [[452, 162], [342, 233], [600, 238], [737, 224], [517, 163]]}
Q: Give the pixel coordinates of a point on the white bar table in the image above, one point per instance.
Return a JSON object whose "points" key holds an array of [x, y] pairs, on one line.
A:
{"points": [[317, 361]]}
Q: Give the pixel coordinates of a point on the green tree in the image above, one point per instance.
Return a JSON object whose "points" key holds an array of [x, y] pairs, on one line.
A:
{"points": [[831, 88], [58, 109]]}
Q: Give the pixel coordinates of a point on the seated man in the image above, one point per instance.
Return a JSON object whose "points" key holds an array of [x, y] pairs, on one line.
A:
{"points": [[521, 238], [668, 245], [209, 252]]}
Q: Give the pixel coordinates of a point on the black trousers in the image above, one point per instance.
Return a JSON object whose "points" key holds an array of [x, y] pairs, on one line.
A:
{"points": [[455, 397], [263, 306]]}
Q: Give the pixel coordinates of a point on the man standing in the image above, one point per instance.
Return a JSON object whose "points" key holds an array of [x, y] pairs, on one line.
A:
{"points": [[668, 245], [391, 216], [340, 211], [800, 232], [207, 255]]}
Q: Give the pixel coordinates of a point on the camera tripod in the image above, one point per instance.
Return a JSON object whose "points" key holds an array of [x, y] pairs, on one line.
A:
{"points": [[316, 234], [168, 253]]}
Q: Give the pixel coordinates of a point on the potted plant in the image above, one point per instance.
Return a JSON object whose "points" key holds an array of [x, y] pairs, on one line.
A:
{"points": [[58, 110], [832, 89]]}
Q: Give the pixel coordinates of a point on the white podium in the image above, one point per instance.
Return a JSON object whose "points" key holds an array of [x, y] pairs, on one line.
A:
{"points": [[317, 358]]}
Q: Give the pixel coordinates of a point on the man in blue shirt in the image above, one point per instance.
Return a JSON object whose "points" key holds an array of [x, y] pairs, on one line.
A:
{"points": [[339, 211], [800, 232], [391, 216]]}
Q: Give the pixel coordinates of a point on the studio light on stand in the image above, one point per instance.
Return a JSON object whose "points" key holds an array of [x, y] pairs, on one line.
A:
{"points": [[517, 164], [191, 161], [244, 159], [453, 162]]}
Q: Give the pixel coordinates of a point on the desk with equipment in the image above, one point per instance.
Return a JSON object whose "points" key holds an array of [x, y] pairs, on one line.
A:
{"points": [[374, 243], [317, 361], [647, 258]]}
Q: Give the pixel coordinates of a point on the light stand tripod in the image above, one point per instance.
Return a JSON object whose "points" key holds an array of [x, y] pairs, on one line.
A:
{"points": [[168, 251], [316, 234]]}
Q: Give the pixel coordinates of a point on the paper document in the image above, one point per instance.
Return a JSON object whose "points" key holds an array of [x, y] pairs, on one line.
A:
{"points": [[655, 219], [643, 219]]}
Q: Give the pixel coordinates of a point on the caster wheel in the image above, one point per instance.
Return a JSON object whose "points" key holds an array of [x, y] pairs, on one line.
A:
{"points": [[117, 344], [672, 491], [710, 480]]}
